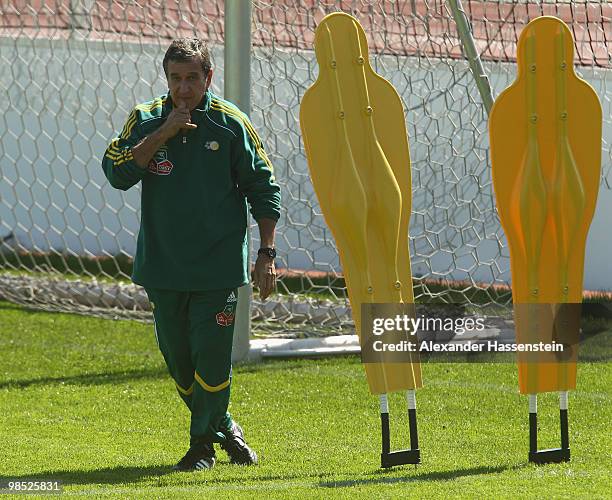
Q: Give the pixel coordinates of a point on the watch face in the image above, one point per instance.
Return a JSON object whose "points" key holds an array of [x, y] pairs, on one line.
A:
{"points": [[270, 252]]}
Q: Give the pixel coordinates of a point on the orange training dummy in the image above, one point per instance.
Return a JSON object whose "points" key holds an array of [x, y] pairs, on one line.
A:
{"points": [[545, 133]]}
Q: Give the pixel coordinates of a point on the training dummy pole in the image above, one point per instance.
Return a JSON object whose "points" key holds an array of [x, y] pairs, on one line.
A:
{"points": [[545, 135], [354, 132]]}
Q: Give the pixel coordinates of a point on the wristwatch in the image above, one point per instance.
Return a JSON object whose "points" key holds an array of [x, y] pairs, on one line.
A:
{"points": [[267, 251]]}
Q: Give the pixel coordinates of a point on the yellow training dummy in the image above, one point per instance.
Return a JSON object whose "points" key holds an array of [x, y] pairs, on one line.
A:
{"points": [[354, 132]]}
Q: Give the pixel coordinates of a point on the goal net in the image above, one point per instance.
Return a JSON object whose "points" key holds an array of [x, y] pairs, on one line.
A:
{"points": [[71, 71]]}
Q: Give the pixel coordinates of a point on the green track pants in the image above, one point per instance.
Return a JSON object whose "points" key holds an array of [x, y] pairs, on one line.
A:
{"points": [[194, 332]]}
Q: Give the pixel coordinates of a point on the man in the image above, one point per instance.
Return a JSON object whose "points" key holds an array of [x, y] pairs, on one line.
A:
{"points": [[199, 161]]}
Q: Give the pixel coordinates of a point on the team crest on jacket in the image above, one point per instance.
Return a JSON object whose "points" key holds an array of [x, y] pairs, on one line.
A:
{"points": [[159, 164], [226, 317]]}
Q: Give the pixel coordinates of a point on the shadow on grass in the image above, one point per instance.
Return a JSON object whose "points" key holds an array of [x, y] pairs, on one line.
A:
{"points": [[123, 475], [111, 475], [426, 476], [89, 379]]}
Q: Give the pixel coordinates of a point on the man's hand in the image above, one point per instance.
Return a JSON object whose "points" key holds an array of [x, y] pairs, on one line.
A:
{"points": [[264, 275], [179, 118]]}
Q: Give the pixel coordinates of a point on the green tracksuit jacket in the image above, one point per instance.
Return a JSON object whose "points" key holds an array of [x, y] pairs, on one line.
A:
{"points": [[194, 195]]}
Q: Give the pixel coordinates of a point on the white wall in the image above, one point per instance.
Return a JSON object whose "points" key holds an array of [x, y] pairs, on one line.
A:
{"points": [[64, 105]]}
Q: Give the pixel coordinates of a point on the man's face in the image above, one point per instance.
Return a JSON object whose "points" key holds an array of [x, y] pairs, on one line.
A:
{"points": [[187, 82]]}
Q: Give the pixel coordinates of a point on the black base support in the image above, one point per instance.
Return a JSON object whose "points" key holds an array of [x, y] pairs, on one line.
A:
{"points": [[402, 457], [390, 458], [553, 455]]}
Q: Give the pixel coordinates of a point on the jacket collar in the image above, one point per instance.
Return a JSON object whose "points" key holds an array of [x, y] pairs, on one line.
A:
{"points": [[204, 105]]}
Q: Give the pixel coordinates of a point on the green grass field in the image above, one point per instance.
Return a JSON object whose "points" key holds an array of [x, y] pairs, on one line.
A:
{"points": [[88, 402]]}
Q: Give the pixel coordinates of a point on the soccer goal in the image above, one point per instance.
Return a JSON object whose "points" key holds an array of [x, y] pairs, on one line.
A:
{"points": [[72, 70]]}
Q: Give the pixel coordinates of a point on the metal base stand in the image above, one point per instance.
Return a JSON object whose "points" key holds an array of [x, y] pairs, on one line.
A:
{"points": [[553, 455], [390, 458]]}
